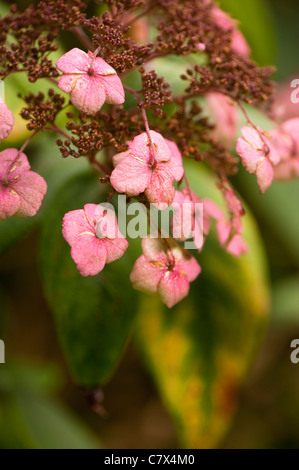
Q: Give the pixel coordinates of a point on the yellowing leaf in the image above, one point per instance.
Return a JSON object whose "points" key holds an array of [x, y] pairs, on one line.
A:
{"points": [[199, 352]]}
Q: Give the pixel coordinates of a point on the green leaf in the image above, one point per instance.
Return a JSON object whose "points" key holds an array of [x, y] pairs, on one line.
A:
{"points": [[199, 352], [12, 229], [257, 23], [94, 315], [33, 377], [30, 418], [286, 300], [50, 425]]}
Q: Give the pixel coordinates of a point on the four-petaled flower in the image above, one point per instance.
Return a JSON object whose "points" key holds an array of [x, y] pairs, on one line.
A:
{"points": [[89, 80], [6, 120], [165, 268], [94, 237], [21, 190], [150, 166], [259, 155]]}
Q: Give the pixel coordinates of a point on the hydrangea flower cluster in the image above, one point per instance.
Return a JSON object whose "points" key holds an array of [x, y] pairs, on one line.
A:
{"points": [[141, 158]]}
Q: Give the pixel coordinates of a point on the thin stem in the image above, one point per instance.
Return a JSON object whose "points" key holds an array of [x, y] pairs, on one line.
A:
{"points": [[58, 131], [145, 120], [27, 142], [11, 166], [52, 80], [187, 182], [134, 93], [111, 194], [98, 165]]}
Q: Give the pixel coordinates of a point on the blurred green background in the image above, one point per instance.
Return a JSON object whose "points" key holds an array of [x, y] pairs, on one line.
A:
{"points": [[40, 406]]}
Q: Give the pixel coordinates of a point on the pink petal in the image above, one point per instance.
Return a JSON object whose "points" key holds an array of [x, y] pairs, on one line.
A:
{"points": [[115, 248], [179, 198], [252, 136], [160, 189], [119, 157], [211, 209], [292, 127], [222, 19], [223, 231], [102, 68], [284, 143], [147, 275], [68, 82], [177, 168], [88, 94], [6, 121], [200, 232], [173, 288], [89, 254], [74, 61], [255, 148], [131, 176], [188, 266], [287, 170], [8, 167], [9, 202], [140, 147], [186, 219], [239, 44], [225, 115], [93, 212], [237, 246], [31, 188], [115, 93], [75, 223], [265, 175], [155, 249], [251, 151], [183, 218]]}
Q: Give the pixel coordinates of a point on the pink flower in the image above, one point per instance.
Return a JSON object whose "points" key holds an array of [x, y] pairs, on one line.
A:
{"points": [[89, 80], [286, 139], [21, 190], [6, 121], [259, 155], [229, 232], [189, 220], [225, 115], [164, 268], [224, 21], [237, 246], [147, 168], [94, 238]]}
